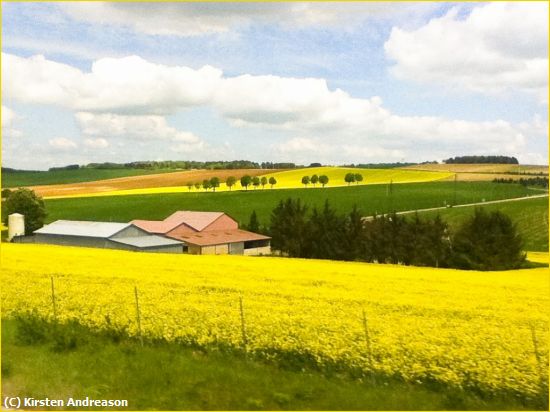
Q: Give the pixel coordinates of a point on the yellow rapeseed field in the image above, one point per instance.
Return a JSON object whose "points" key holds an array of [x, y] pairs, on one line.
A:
{"points": [[291, 179], [465, 328]]}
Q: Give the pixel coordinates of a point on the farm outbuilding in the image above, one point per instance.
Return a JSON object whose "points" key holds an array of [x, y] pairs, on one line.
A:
{"points": [[124, 236], [208, 233]]}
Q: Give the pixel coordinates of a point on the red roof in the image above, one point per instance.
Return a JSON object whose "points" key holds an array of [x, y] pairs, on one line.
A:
{"points": [[195, 220], [217, 237]]}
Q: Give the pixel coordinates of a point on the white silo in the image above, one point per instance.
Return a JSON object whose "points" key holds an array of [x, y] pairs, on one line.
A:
{"points": [[16, 225]]}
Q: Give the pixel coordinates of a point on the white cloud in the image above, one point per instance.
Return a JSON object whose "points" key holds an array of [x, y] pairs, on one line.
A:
{"points": [[125, 98], [129, 84], [140, 128], [499, 47], [196, 18], [9, 117], [62, 143], [98, 143]]}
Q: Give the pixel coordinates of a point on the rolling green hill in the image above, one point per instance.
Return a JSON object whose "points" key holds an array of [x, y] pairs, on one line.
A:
{"points": [[36, 178], [531, 216]]}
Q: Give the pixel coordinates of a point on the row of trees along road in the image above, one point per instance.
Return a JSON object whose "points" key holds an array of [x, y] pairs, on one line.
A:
{"points": [[245, 181], [485, 241]]}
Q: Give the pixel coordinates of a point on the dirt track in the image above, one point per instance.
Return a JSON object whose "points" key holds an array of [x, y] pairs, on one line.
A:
{"points": [[146, 181]]}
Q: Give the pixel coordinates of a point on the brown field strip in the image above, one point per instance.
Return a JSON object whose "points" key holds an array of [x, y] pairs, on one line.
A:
{"points": [[143, 182], [480, 177], [482, 168]]}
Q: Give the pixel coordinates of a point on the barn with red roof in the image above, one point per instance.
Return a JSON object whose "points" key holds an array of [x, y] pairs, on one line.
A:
{"points": [[205, 233]]}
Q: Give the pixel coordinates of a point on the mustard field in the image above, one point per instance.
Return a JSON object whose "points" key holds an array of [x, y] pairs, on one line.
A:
{"points": [[289, 180], [481, 330], [293, 178]]}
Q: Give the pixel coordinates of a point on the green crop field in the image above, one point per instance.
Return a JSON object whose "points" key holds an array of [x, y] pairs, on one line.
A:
{"points": [[190, 379], [37, 178], [239, 204], [531, 216]]}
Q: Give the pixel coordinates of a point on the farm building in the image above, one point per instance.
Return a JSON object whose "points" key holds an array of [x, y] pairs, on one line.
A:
{"points": [[125, 236], [208, 233]]}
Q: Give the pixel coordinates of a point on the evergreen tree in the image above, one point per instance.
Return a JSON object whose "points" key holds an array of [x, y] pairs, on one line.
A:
{"points": [[487, 241], [253, 224], [325, 235], [288, 227]]}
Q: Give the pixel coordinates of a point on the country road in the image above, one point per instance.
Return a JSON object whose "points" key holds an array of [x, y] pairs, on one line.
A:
{"points": [[404, 212]]}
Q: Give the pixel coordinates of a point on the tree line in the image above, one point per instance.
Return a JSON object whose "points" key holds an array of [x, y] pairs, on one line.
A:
{"points": [[482, 159], [531, 181], [166, 164], [485, 241], [245, 181]]}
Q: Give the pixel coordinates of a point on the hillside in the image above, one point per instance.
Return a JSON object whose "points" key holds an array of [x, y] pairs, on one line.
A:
{"points": [[530, 215], [33, 178], [176, 180], [481, 168], [239, 204], [293, 178], [425, 325]]}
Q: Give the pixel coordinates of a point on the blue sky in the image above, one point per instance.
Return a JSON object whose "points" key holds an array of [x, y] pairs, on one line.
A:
{"points": [[302, 82]]}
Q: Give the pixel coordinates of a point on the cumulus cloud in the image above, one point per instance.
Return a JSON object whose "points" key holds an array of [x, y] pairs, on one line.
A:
{"points": [[135, 127], [98, 143], [498, 47], [62, 143], [196, 18], [9, 117], [129, 84], [128, 97]]}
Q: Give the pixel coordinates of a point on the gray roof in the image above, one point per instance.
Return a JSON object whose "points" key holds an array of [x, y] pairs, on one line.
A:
{"points": [[147, 241], [83, 228]]}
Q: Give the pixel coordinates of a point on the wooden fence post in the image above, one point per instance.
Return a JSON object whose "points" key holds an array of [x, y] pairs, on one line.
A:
{"points": [[138, 315], [536, 351], [367, 338], [243, 325], [53, 300]]}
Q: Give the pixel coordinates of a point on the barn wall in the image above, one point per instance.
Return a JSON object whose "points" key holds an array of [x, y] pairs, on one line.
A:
{"points": [[222, 249], [164, 249], [194, 250], [71, 240], [264, 250], [222, 223], [236, 248]]}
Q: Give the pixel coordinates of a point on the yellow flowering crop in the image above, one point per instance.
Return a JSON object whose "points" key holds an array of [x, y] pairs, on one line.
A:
{"points": [[463, 328], [292, 179]]}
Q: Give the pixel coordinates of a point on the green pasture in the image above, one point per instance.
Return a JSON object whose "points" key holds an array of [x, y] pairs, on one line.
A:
{"points": [[530, 215], [37, 178], [240, 204]]}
